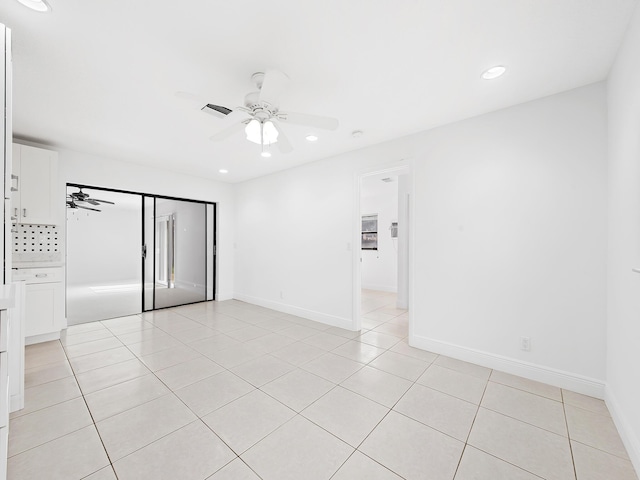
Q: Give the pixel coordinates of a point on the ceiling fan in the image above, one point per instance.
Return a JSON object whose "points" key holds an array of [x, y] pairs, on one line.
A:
{"points": [[261, 117], [71, 203], [74, 197]]}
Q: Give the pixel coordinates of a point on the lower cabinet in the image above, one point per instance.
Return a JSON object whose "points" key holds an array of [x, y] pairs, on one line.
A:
{"points": [[4, 394], [44, 303], [43, 308]]}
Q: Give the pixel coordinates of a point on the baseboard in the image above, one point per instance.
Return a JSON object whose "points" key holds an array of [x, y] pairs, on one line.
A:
{"points": [[628, 436], [559, 378], [332, 320], [45, 337], [380, 288], [221, 297], [16, 402]]}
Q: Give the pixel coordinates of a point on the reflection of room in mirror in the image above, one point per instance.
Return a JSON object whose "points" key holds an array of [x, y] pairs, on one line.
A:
{"points": [[104, 278], [180, 252]]}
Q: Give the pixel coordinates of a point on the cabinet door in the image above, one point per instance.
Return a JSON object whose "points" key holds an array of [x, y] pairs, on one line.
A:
{"points": [[43, 308], [38, 175]]}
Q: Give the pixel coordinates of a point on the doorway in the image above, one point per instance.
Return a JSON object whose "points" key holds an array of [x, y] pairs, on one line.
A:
{"points": [[180, 234], [129, 252], [382, 253]]}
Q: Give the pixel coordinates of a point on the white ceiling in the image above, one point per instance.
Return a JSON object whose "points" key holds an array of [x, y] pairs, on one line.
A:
{"points": [[100, 76]]}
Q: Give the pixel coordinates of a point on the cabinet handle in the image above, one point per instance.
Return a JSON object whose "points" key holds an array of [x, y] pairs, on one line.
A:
{"points": [[42, 275], [15, 212], [24, 212], [17, 179]]}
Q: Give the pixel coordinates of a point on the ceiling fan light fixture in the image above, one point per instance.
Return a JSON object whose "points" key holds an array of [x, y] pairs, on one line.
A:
{"points": [[262, 133], [36, 5], [312, 138], [494, 72], [265, 154]]}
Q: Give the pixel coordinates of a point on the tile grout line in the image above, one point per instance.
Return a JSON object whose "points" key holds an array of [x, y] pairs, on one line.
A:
{"points": [[95, 426], [466, 441], [171, 390], [566, 422]]}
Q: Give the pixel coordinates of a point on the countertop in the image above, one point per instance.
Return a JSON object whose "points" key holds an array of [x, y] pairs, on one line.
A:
{"points": [[36, 264], [7, 296]]}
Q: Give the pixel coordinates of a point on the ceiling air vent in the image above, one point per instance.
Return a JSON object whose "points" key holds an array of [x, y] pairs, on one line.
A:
{"points": [[216, 110]]}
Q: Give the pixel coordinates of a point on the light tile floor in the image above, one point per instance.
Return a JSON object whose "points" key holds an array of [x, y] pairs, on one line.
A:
{"points": [[232, 391]]}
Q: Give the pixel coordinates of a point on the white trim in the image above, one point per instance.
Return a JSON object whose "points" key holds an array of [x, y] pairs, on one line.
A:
{"points": [[16, 402], [559, 378], [628, 436], [332, 320], [44, 337], [403, 166], [220, 296]]}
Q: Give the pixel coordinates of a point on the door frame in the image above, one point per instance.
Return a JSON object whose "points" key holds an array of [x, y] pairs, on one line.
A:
{"points": [[155, 197], [402, 167]]}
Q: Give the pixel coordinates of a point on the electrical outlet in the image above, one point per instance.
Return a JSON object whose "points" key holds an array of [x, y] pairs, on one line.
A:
{"points": [[525, 344]]}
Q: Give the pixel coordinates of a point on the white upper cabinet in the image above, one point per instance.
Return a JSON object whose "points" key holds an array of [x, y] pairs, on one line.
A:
{"points": [[35, 174]]}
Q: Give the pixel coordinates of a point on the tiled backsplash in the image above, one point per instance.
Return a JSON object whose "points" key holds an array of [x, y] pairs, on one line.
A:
{"points": [[36, 243]]}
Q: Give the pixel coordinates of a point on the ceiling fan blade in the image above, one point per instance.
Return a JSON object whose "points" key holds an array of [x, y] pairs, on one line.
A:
{"points": [[88, 200], [88, 208], [325, 123], [227, 132], [232, 123], [103, 201], [273, 86], [283, 143]]}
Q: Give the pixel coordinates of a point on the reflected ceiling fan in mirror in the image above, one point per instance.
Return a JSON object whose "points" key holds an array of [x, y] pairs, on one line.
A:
{"points": [[261, 117], [74, 198]]}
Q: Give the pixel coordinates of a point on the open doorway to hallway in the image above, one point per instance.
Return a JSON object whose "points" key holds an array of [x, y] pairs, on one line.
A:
{"points": [[383, 267]]}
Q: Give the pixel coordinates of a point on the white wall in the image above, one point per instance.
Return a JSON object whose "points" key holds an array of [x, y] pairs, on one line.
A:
{"points": [[380, 267], [509, 233], [623, 325], [86, 169], [511, 230]]}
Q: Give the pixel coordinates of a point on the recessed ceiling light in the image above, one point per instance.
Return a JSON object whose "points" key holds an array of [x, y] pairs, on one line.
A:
{"points": [[223, 170], [357, 133], [494, 72], [37, 5], [266, 154], [312, 138]]}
